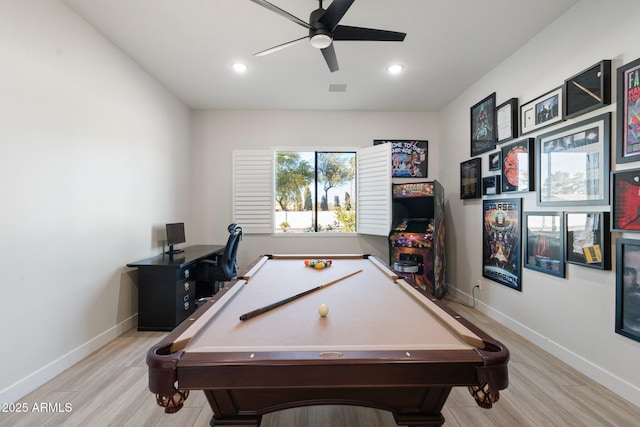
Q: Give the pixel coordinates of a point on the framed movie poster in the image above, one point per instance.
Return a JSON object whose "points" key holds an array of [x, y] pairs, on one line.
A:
{"points": [[501, 240], [409, 158], [517, 166], [628, 288], [573, 164], [541, 112], [628, 113], [544, 242], [625, 186], [588, 239], [470, 183], [483, 125]]}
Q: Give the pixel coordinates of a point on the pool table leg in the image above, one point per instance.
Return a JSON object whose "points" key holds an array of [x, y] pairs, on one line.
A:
{"points": [[419, 420], [429, 413], [222, 403], [239, 421]]}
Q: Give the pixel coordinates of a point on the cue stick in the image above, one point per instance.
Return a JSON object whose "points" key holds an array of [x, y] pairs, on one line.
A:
{"points": [[269, 307]]}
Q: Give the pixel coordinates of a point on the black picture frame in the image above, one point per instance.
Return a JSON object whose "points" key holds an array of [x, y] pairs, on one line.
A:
{"points": [[483, 125], [542, 111], [588, 90], [544, 242], [628, 113], [470, 183], [625, 200], [491, 185], [588, 239], [501, 241], [409, 157], [495, 161], [517, 166], [572, 164], [507, 121], [627, 288]]}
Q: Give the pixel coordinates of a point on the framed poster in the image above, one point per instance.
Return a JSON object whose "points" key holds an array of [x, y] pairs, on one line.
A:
{"points": [[517, 166], [588, 239], [541, 112], [625, 206], [573, 164], [588, 90], [470, 173], [501, 240], [490, 185], [483, 125], [544, 242], [628, 288], [507, 120], [409, 158], [628, 113]]}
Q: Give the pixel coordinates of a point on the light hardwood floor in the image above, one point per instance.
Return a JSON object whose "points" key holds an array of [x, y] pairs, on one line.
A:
{"points": [[109, 388]]}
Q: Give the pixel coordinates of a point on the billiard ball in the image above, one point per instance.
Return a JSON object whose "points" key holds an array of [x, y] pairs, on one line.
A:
{"points": [[323, 310]]}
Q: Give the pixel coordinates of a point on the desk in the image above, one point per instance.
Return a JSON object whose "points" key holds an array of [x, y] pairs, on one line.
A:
{"points": [[385, 344], [166, 286]]}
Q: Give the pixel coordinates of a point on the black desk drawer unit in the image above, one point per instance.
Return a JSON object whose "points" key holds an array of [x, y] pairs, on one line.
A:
{"points": [[167, 287], [165, 298]]}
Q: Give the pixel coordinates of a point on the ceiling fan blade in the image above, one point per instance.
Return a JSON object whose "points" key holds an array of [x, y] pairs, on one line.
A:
{"points": [[279, 47], [335, 12], [344, 32], [281, 12], [330, 57]]}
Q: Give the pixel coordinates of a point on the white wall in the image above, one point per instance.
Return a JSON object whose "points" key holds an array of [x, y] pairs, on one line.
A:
{"points": [[217, 133], [574, 317], [94, 160]]}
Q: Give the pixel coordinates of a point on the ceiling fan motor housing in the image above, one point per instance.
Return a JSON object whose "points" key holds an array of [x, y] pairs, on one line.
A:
{"points": [[319, 35]]}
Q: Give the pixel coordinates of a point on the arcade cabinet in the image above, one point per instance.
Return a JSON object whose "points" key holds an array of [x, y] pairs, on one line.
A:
{"points": [[417, 237]]}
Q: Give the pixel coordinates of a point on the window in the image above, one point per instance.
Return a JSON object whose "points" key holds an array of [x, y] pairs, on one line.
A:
{"points": [[254, 200], [315, 191]]}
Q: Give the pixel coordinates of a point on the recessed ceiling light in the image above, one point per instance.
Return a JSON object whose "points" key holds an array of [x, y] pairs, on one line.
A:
{"points": [[395, 69], [239, 67]]}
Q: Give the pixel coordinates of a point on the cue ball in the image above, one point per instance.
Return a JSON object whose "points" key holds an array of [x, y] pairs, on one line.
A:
{"points": [[323, 310]]}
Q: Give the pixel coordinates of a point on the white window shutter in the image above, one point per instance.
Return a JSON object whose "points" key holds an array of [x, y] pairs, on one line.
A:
{"points": [[253, 201], [374, 190]]}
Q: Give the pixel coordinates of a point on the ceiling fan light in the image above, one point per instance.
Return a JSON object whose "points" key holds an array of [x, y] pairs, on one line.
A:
{"points": [[321, 41]]}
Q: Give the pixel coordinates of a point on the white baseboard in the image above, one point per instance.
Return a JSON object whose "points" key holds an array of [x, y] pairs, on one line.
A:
{"points": [[36, 379], [616, 384]]}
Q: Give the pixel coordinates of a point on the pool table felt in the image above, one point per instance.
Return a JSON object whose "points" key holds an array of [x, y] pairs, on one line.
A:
{"points": [[371, 310]]}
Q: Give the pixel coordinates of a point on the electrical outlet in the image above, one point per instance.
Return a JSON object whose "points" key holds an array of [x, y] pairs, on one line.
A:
{"points": [[479, 284]]}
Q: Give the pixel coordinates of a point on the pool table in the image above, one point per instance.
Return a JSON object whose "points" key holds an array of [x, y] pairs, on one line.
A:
{"points": [[385, 343]]}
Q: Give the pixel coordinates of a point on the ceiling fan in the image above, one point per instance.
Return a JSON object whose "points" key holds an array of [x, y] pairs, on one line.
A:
{"points": [[324, 30]]}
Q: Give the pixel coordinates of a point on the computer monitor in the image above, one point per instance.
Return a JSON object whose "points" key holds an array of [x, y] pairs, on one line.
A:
{"points": [[175, 235]]}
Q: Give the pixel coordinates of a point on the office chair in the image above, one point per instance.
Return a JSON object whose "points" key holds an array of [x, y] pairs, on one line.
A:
{"points": [[223, 269]]}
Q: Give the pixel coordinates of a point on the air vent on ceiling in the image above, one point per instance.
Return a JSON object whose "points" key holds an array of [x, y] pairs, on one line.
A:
{"points": [[338, 87]]}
